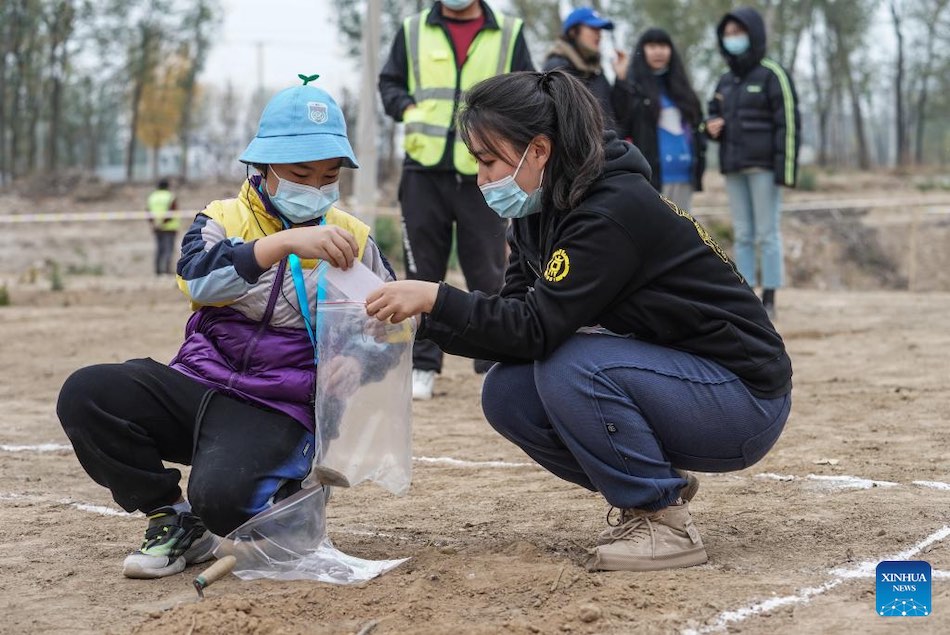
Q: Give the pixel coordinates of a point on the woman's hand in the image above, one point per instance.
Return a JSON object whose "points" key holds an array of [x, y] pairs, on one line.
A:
{"points": [[396, 301], [326, 242], [714, 126], [620, 65]]}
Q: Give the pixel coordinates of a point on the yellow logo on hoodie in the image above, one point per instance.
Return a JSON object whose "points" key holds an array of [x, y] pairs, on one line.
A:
{"points": [[558, 267]]}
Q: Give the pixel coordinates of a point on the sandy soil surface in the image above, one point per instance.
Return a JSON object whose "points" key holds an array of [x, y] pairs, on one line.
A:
{"points": [[499, 549]]}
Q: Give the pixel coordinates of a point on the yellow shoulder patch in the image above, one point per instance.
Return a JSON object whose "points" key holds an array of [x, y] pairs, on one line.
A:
{"points": [[558, 267]]}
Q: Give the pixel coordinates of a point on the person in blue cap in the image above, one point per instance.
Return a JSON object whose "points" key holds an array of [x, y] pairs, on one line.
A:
{"points": [[577, 51], [237, 401]]}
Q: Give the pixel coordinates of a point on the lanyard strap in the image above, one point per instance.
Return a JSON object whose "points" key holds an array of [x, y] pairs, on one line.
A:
{"points": [[309, 318]]}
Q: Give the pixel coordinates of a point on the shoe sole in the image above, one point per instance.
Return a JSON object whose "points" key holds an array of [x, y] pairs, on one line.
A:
{"points": [[200, 551], [688, 491], [136, 571], [599, 561]]}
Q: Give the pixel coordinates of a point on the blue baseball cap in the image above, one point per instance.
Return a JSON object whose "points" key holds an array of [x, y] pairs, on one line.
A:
{"points": [[300, 124], [588, 17]]}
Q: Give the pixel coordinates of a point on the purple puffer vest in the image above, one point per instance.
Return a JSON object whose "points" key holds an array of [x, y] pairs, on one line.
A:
{"points": [[251, 361]]}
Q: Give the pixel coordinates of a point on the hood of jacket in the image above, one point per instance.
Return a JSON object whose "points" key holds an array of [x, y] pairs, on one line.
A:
{"points": [[564, 50], [621, 156], [752, 21]]}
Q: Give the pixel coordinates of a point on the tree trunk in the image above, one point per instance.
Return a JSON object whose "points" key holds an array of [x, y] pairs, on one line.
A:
{"points": [[900, 122], [864, 160], [143, 69]]}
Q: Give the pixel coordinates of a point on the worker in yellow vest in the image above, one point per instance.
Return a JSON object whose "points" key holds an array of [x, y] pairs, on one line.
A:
{"points": [[161, 206], [437, 55]]}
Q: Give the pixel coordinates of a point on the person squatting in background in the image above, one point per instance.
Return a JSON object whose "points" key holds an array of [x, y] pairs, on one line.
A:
{"points": [[635, 352], [237, 401], [577, 51], [663, 118], [165, 224], [754, 116], [437, 55]]}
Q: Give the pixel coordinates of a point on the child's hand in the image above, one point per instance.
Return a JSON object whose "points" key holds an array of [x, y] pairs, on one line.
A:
{"points": [[343, 376], [327, 242], [396, 301]]}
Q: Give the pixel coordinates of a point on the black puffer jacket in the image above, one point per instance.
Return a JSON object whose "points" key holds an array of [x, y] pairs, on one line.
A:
{"points": [[757, 100], [624, 259]]}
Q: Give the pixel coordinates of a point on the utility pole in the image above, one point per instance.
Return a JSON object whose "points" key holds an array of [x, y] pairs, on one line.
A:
{"points": [[367, 134], [260, 66]]}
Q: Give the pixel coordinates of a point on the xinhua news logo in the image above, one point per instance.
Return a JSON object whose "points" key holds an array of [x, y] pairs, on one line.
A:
{"points": [[903, 588]]}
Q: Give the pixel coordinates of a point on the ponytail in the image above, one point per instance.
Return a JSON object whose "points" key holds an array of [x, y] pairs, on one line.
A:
{"points": [[518, 107]]}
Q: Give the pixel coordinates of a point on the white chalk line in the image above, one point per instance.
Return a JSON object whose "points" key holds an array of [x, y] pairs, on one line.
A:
{"points": [[450, 462], [102, 510], [42, 447], [437, 460], [836, 481], [841, 575]]}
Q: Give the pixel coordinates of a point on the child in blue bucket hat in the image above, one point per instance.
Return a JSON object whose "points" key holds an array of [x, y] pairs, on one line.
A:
{"points": [[237, 401]]}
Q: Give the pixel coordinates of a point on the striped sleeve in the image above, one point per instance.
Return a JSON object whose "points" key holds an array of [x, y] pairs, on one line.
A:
{"points": [[787, 124], [215, 268]]}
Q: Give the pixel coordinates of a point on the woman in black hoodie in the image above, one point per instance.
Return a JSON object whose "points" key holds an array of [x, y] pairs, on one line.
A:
{"points": [[663, 117], [630, 347]]}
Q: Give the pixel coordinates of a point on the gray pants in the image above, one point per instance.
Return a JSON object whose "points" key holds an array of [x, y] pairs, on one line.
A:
{"points": [[679, 193]]}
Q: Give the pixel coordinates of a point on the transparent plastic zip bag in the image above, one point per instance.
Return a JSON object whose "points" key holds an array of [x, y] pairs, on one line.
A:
{"points": [[363, 399], [363, 410], [289, 541]]}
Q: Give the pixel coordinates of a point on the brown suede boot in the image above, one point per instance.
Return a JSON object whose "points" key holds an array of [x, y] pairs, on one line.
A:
{"points": [[649, 541]]}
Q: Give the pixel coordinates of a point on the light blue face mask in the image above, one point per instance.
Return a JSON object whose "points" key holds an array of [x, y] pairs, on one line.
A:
{"points": [[457, 5], [736, 44], [300, 203], [508, 199]]}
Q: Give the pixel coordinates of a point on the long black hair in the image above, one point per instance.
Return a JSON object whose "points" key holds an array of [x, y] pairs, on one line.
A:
{"points": [[518, 107], [677, 81]]}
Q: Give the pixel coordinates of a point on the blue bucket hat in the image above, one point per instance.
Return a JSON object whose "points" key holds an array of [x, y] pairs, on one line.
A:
{"points": [[588, 17], [300, 124]]}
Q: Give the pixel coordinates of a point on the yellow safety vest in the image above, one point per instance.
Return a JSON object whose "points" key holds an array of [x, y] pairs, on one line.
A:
{"points": [[437, 85], [159, 204]]}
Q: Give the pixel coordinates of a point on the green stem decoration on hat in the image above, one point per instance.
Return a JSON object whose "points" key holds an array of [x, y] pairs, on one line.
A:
{"points": [[307, 78]]}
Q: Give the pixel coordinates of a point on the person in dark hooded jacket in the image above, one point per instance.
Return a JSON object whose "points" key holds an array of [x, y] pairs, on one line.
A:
{"points": [[630, 348], [754, 116], [577, 51], [663, 117]]}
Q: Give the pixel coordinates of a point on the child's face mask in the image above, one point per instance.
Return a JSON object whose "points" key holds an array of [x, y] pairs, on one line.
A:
{"points": [[300, 203]]}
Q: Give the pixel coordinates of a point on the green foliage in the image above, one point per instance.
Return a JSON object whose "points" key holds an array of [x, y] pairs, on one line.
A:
{"points": [[55, 276], [720, 230], [388, 236], [807, 178], [4, 296]]}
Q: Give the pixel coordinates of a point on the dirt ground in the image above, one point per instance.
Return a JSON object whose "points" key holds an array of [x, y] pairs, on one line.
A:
{"points": [[495, 549]]}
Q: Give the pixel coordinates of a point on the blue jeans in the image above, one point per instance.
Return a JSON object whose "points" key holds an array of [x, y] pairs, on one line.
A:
{"points": [[756, 202], [616, 415]]}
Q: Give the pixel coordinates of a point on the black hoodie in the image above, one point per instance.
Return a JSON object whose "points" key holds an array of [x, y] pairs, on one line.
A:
{"points": [[625, 259], [757, 100]]}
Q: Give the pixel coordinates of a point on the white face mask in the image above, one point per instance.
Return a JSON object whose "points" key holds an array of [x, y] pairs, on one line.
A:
{"points": [[299, 203], [457, 5]]}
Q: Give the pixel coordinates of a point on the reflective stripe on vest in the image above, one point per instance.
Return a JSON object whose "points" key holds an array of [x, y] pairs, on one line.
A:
{"points": [[437, 85]]}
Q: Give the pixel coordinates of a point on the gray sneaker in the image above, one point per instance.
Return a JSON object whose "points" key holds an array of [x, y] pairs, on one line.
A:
{"points": [[649, 541], [173, 540]]}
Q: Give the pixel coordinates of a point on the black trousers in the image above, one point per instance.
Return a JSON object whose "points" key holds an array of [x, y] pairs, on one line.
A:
{"points": [[432, 202], [125, 420], [164, 251]]}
